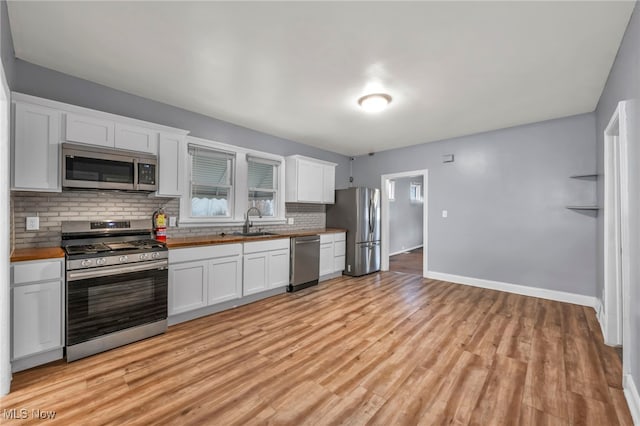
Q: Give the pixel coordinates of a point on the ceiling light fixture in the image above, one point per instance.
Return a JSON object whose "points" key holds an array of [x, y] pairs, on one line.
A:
{"points": [[374, 102]]}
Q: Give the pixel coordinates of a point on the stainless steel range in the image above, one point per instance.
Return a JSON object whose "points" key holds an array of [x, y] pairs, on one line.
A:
{"points": [[117, 280]]}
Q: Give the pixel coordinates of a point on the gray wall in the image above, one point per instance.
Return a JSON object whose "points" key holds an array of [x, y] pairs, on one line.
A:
{"points": [[624, 84], [6, 44], [46, 83], [506, 194], [405, 217]]}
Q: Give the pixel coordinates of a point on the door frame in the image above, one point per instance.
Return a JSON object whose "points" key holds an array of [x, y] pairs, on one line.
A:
{"points": [[5, 232], [384, 220], [617, 264]]}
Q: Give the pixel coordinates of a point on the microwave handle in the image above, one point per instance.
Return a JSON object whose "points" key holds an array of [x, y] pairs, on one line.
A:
{"points": [[136, 184]]}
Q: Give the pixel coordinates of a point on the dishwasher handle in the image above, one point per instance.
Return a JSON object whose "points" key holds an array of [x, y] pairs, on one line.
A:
{"points": [[307, 240]]}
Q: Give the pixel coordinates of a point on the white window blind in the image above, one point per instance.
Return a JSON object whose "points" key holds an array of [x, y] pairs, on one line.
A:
{"points": [[262, 180], [211, 182]]}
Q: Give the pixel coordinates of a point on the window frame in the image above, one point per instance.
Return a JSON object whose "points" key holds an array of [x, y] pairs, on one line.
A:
{"points": [[213, 152], [277, 185], [239, 191]]}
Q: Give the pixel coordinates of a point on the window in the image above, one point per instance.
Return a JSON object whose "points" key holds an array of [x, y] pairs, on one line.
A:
{"points": [[262, 182], [415, 192], [391, 189], [211, 189]]}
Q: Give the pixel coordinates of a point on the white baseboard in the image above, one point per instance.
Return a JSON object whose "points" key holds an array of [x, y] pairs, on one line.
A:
{"points": [[405, 250], [543, 293], [602, 318], [632, 396]]}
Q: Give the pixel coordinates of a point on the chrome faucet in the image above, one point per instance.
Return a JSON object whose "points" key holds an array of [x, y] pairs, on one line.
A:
{"points": [[247, 223]]}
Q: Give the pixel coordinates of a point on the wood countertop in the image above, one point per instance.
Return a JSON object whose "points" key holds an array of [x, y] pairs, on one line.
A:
{"points": [[39, 253], [207, 240]]}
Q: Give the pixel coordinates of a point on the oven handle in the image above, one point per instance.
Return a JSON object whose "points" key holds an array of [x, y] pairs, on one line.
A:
{"points": [[101, 272]]}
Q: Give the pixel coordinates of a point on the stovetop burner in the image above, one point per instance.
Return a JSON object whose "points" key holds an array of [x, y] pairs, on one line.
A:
{"points": [[145, 244], [87, 249]]}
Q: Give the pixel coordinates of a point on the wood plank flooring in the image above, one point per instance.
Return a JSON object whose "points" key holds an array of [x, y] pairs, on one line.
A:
{"points": [[385, 349], [409, 263]]}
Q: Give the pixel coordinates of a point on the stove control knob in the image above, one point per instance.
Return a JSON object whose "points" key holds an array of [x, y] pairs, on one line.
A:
{"points": [[155, 255], [101, 261], [86, 262], [124, 258], [144, 256]]}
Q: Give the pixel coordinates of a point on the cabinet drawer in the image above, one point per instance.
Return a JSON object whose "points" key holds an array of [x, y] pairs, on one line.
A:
{"points": [[326, 238], [204, 252], [268, 245], [28, 272], [340, 236]]}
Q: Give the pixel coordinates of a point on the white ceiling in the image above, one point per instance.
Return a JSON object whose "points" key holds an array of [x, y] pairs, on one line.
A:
{"points": [[296, 69]]}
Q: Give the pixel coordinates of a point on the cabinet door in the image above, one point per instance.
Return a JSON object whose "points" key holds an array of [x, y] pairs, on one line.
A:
{"points": [[187, 286], [37, 318], [338, 263], [310, 181], [171, 161], [255, 273], [89, 130], [278, 268], [329, 184], [134, 138], [326, 258], [225, 279], [36, 149]]}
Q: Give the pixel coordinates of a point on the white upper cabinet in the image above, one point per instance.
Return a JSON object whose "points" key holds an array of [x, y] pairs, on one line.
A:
{"points": [[135, 138], [171, 163], [40, 125], [89, 130], [310, 180], [36, 149]]}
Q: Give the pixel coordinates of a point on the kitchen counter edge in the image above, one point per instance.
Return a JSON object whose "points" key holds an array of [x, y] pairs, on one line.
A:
{"points": [[37, 253], [183, 242]]}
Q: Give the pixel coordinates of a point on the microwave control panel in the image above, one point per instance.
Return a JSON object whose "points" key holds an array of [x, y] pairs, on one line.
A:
{"points": [[146, 174]]}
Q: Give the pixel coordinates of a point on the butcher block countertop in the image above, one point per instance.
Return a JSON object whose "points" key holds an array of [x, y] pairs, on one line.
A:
{"points": [[39, 253], [207, 240]]}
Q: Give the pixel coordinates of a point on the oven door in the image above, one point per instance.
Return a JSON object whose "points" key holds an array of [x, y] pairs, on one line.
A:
{"points": [[110, 299]]}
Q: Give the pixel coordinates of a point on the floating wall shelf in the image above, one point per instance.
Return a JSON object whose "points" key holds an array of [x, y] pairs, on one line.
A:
{"points": [[583, 207]]}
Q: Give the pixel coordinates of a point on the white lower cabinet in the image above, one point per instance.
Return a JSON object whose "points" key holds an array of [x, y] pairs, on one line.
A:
{"points": [[203, 276], [256, 268], [225, 278], [332, 254], [266, 265], [37, 312], [326, 254], [187, 286]]}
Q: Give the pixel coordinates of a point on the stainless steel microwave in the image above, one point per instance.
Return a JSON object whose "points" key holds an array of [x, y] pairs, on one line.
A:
{"points": [[102, 168]]}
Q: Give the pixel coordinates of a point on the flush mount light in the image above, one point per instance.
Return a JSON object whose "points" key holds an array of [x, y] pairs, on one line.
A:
{"points": [[374, 102]]}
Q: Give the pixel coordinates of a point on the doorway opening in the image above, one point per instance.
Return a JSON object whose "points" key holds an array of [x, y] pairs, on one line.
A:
{"points": [[614, 315], [404, 222]]}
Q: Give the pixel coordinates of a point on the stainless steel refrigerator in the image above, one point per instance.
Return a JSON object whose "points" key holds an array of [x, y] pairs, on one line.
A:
{"points": [[358, 211]]}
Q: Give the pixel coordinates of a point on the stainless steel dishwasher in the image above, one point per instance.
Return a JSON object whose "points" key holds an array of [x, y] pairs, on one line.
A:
{"points": [[305, 262]]}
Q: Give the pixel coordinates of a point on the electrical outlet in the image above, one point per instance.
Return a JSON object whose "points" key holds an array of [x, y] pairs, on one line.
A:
{"points": [[445, 213], [172, 220], [290, 221], [33, 223]]}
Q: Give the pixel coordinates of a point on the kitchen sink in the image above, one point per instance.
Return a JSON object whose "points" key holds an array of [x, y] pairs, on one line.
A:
{"points": [[254, 234]]}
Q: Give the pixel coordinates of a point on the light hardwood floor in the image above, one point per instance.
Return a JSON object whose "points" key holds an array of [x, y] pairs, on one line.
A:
{"points": [[409, 263], [385, 349]]}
